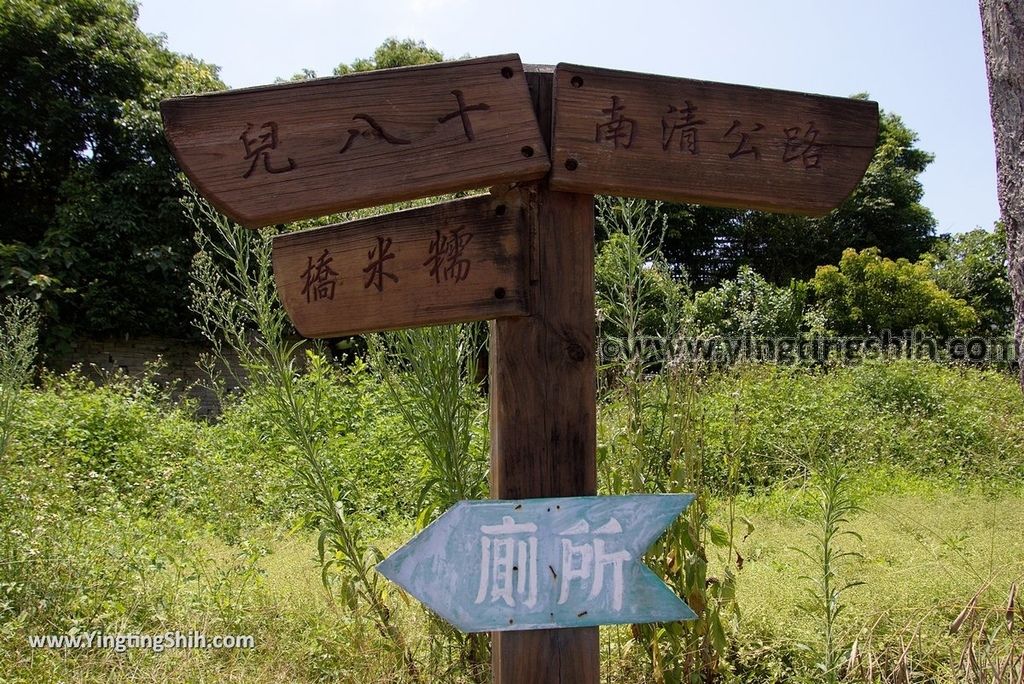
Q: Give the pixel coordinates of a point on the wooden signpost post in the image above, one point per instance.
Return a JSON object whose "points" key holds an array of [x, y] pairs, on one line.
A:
{"points": [[521, 257]]}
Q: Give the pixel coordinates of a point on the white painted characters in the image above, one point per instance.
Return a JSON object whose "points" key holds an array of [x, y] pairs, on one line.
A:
{"points": [[593, 558], [508, 562], [508, 567]]}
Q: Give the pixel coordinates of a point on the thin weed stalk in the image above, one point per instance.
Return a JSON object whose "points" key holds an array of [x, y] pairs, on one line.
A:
{"points": [[430, 375], [651, 436], [235, 301], [836, 505], [19, 335]]}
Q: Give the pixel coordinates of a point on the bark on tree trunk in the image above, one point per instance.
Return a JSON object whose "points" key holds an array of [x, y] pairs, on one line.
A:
{"points": [[1002, 27]]}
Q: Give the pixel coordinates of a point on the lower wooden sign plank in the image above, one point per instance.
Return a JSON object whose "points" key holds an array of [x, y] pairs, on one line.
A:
{"points": [[677, 139], [459, 261], [277, 153]]}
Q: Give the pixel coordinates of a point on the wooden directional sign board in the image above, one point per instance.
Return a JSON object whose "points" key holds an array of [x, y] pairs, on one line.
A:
{"points": [[622, 133], [523, 257], [278, 153], [542, 563], [457, 261]]}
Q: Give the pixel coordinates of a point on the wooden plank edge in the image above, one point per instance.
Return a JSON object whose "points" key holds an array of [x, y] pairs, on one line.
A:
{"points": [[621, 73], [373, 75]]}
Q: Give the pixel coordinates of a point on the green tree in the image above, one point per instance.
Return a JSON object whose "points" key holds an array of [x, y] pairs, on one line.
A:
{"points": [[388, 55], [884, 211], [393, 53], [91, 227], [973, 266], [869, 294]]}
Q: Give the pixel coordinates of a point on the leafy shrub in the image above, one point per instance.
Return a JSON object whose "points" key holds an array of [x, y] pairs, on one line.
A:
{"points": [[750, 306], [70, 559], [952, 423], [367, 449], [868, 294], [124, 439]]}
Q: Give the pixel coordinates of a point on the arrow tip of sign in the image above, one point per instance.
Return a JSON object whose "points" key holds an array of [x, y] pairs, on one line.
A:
{"points": [[391, 567]]}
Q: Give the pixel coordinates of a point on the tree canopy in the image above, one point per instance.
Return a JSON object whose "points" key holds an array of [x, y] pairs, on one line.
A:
{"points": [[973, 266], [390, 54], [869, 294], [393, 53], [91, 227]]}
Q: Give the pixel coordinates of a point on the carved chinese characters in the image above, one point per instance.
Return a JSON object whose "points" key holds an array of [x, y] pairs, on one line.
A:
{"points": [[457, 261], [319, 280], [378, 255], [463, 113], [677, 139], [446, 258], [278, 153], [682, 120], [258, 146], [372, 130], [804, 147], [618, 129]]}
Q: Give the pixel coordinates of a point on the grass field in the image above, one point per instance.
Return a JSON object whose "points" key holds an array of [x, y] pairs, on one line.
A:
{"points": [[124, 514], [924, 555], [926, 551]]}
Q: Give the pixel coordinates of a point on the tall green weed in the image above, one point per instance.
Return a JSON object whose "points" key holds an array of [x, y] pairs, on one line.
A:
{"points": [[19, 335], [237, 309]]}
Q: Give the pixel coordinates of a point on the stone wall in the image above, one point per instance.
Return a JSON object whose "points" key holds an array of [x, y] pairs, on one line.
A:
{"points": [[176, 359]]}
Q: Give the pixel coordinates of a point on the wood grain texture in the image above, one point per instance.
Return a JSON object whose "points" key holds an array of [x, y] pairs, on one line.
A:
{"points": [[543, 416], [676, 139], [458, 261], [1002, 29], [278, 153]]}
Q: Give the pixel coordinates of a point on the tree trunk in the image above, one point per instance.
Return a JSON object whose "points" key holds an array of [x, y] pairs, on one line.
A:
{"points": [[1002, 27]]}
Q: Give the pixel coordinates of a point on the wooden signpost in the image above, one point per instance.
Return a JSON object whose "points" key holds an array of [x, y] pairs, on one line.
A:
{"points": [[523, 258], [620, 133]]}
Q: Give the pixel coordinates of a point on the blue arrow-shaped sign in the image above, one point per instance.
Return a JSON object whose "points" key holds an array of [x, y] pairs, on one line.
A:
{"points": [[542, 563]]}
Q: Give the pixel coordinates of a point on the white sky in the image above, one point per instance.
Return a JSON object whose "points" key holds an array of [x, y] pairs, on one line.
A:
{"points": [[921, 59]]}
